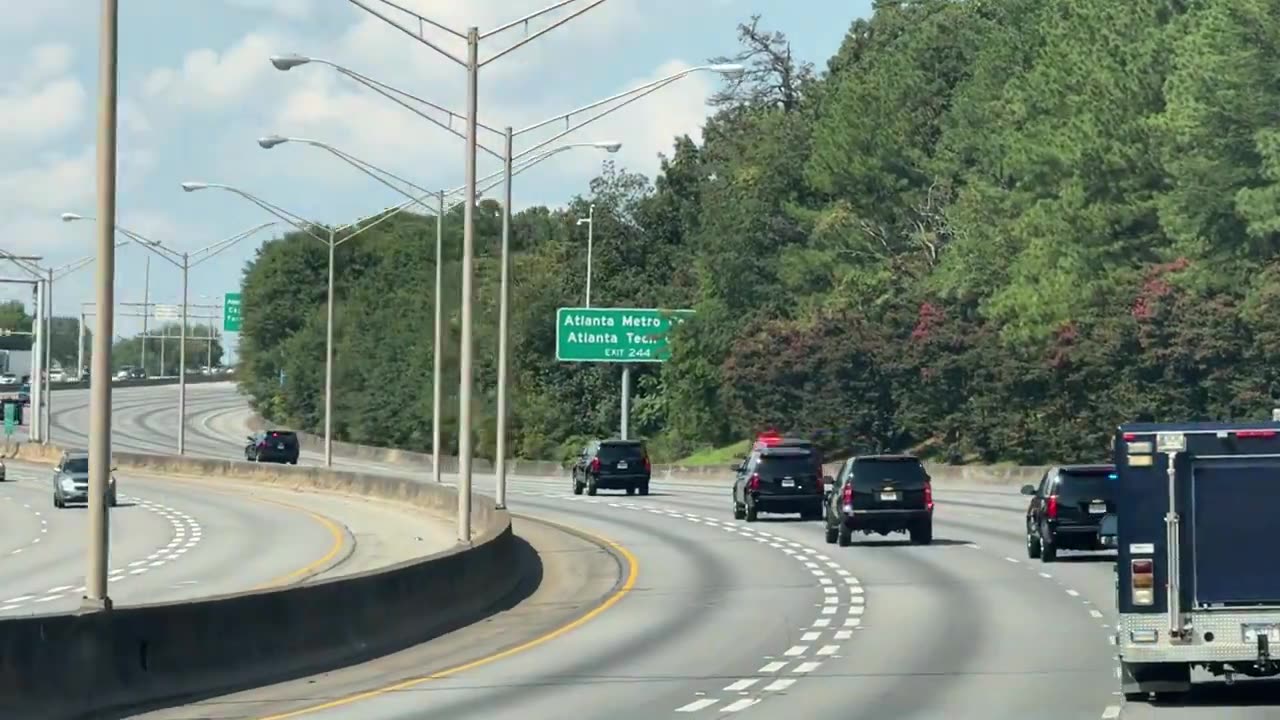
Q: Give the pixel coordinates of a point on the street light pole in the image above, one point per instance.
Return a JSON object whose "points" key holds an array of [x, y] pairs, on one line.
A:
{"points": [[590, 220], [437, 392], [47, 380], [182, 362], [468, 252], [504, 291], [328, 360], [95, 597]]}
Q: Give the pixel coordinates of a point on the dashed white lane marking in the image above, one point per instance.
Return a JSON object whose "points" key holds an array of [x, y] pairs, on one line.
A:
{"points": [[183, 525], [1094, 613], [697, 705], [1073, 593], [813, 561], [1112, 712]]}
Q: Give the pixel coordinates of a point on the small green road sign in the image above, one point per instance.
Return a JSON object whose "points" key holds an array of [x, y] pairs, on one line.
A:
{"points": [[10, 418], [231, 312], [615, 335]]}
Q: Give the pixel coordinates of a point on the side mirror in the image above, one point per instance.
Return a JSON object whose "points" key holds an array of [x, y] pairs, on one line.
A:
{"points": [[735, 467], [249, 438], [114, 468], [1028, 490]]}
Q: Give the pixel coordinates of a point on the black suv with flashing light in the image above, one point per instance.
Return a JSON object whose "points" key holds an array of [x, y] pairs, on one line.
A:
{"points": [[880, 494], [273, 446], [778, 479], [612, 465], [1067, 509]]}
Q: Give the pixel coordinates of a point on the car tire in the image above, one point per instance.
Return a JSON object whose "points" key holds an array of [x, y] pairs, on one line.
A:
{"points": [[811, 514], [922, 534], [1033, 546], [1048, 553], [293, 461], [591, 486], [739, 512], [577, 487], [644, 488], [631, 490], [844, 536], [57, 502], [752, 514], [832, 533]]}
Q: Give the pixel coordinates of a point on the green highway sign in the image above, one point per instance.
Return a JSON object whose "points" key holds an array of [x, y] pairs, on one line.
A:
{"points": [[620, 335], [231, 313]]}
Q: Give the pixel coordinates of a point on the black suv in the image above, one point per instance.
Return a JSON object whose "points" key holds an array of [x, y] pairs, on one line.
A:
{"points": [[612, 465], [273, 446], [880, 494], [780, 479], [1067, 509]]}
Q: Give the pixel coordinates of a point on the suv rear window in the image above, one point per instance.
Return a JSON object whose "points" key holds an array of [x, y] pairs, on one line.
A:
{"points": [[288, 438], [905, 472], [76, 465], [783, 465], [613, 452], [1077, 485]]}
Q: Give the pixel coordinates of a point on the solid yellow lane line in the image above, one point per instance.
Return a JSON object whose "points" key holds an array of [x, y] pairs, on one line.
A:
{"points": [[336, 534], [632, 573]]}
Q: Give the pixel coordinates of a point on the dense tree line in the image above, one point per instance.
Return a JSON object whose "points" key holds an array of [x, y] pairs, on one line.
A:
{"points": [[988, 230]]}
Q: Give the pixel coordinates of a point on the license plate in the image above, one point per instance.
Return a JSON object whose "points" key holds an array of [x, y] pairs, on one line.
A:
{"points": [[622, 464], [889, 496], [788, 483], [1253, 631], [280, 446], [1097, 508]]}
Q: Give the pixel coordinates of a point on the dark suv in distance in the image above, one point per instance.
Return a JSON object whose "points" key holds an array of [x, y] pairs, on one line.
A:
{"points": [[272, 446], [612, 465], [779, 479], [1067, 509], [880, 494]]}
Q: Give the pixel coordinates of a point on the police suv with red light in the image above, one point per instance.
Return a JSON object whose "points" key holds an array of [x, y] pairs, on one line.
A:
{"points": [[1197, 585]]}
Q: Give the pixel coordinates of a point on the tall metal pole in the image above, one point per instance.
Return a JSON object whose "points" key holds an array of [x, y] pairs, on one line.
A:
{"points": [[328, 362], [626, 401], [47, 383], [468, 251], [591, 230], [503, 314], [437, 392], [208, 358], [146, 308], [100, 384], [35, 427], [182, 362], [80, 348]]}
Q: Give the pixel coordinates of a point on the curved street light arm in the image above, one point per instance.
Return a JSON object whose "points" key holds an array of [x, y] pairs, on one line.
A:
{"points": [[423, 20], [390, 92], [416, 36], [31, 268], [652, 88], [219, 247], [521, 21], [639, 91], [538, 34], [65, 270]]}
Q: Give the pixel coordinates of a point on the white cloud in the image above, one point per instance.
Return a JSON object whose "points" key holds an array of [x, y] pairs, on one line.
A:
{"points": [[22, 16], [43, 102], [209, 80], [290, 9]]}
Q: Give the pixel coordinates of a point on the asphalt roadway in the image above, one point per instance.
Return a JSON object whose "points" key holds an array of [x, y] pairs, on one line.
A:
{"points": [[704, 616], [176, 538]]}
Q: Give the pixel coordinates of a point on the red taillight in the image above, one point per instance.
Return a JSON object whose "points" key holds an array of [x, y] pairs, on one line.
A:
{"points": [[1051, 506], [848, 493], [928, 495], [1131, 436], [647, 466], [595, 464], [1142, 581], [754, 483], [1255, 433]]}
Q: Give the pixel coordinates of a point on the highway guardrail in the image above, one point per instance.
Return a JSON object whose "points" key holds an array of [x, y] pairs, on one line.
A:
{"points": [[100, 664]]}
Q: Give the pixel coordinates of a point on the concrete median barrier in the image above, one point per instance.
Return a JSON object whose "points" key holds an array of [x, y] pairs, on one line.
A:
{"points": [[100, 664], [149, 382]]}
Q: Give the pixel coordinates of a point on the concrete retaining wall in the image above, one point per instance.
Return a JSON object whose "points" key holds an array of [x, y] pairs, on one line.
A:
{"points": [[94, 665], [191, 380], [714, 474]]}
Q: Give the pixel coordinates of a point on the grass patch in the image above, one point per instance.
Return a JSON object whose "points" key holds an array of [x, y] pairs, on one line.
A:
{"points": [[716, 456]]}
